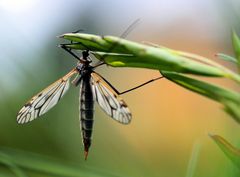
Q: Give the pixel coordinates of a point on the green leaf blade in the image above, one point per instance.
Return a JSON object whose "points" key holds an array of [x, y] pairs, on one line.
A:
{"points": [[227, 58], [209, 90], [229, 150], [229, 98], [236, 47], [51, 166], [143, 56], [232, 109]]}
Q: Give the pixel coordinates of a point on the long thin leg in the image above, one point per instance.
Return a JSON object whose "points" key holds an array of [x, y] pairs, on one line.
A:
{"points": [[126, 91], [145, 83], [99, 64], [69, 51]]}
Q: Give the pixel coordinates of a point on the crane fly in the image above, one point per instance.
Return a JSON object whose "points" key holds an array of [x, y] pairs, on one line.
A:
{"points": [[93, 87]]}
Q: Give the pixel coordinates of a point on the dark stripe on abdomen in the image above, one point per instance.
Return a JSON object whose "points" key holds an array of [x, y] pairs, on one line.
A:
{"points": [[86, 111]]}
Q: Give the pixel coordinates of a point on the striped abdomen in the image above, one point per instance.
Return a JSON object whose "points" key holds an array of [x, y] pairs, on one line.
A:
{"points": [[86, 111]]}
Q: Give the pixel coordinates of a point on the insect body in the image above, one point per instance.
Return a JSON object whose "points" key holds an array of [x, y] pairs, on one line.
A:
{"points": [[93, 87]]}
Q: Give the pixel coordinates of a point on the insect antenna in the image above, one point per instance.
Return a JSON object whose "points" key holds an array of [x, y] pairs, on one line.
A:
{"points": [[79, 30], [123, 35]]}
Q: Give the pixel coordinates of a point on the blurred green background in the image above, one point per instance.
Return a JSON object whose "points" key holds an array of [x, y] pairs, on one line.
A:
{"points": [[168, 121]]}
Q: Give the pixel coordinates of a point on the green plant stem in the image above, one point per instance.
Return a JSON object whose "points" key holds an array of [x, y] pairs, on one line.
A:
{"points": [[143, 56], [6, 160], [193, 159]]}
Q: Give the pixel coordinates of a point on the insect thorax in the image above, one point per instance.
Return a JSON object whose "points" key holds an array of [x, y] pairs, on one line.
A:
{"points": [[84, 68]]}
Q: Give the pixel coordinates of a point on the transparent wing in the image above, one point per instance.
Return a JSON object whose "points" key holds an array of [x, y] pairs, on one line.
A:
{"points": [[45, 100], [109, 100]]}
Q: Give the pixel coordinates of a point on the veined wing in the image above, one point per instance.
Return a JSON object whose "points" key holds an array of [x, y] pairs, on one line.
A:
{"points": [[45, 100], [109, 100]]}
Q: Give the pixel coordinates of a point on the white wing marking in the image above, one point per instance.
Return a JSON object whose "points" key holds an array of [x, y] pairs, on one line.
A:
{"points": [[45, 100], [109, 100]]}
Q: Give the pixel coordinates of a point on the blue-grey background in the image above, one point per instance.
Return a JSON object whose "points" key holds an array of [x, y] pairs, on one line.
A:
{"points": [[167, 120]]}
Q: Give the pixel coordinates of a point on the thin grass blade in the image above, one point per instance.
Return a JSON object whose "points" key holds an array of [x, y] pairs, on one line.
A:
{"points": [[229, 150], [227, 58], [143, 56], [236, 47], [230, 99], [192, 164], [6, 160], [51, 166]]}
